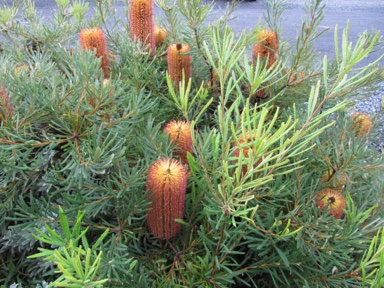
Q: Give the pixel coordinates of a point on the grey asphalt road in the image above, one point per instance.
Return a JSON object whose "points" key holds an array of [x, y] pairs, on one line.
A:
{"points": [[362, 14]]}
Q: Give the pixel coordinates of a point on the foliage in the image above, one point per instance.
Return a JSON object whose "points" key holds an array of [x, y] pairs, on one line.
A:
{"points": [[73, 261], [73, 143]]}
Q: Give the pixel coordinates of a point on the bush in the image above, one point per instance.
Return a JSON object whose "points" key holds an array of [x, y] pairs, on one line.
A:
{"points": [[264, 127]]}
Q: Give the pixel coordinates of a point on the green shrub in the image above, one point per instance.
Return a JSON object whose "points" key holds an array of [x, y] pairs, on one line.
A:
{"points": [[268, 135]]}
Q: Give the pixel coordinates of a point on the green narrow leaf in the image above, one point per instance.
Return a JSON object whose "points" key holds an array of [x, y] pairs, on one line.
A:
{"points": [[100, 239], [77, 227], [87, 267], [282, 256], [64, 224], [325, 72], [77, 265], [312, 101], [95, 266], [59, 241]]}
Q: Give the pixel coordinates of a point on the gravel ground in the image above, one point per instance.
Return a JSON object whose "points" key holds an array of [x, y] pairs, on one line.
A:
{"points": [[372, 106]]}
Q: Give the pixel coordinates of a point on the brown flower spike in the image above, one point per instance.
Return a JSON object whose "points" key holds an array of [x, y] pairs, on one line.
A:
{"points": [[333, 200], [141, 22], [94, 39], [267, 47], [180, 134], [179, 62], [362, 123], [167, 184]]}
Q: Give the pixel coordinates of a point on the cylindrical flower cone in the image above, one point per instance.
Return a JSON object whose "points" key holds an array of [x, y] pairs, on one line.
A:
{"points": [[267, 48], [180, 134], [179, 62], [141, 22], [362, 123], [94, 39], [167, 184]]}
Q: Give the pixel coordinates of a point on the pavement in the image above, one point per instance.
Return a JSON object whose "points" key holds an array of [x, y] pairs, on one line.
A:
{"points": [[362, 14]]}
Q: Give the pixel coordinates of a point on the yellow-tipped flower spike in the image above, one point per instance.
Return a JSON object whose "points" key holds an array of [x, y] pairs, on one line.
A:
{"points": [[94, 39], [167, 184], [179, 62], [267, 47], [160, 35], [362, 123], [180, 134], [141, 22]]}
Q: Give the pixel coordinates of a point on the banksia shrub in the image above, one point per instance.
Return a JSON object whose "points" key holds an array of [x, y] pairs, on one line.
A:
{"points": [[244, 145], [333, 201], [266, 48], [88, 201], [94, 39], [166, 183], [180, 134], [141, 22], [160, 35], [6, 107], [362, 123], [179, 62]]}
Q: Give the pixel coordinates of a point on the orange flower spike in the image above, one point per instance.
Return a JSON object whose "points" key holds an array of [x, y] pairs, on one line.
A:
{"points": [[141, 22], [267, 47], [179, 62], [167, 184], [180, 134], [94, 39]]}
